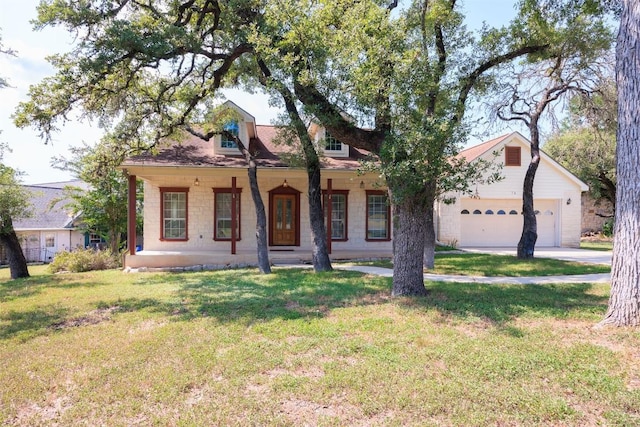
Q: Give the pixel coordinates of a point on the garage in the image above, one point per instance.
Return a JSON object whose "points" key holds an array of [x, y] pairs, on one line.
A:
{"points": [[498, 222]]}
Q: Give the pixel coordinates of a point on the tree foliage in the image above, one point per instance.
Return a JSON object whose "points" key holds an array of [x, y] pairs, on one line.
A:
{"points": [[586, 142], [103, 205]]}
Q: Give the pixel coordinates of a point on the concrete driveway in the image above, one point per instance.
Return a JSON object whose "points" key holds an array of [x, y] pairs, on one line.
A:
{"points": [[567, 254]]}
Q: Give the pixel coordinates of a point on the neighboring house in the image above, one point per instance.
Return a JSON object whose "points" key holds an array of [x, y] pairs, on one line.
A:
{"points": [[190, 186], [51, 228], [492, 214]]}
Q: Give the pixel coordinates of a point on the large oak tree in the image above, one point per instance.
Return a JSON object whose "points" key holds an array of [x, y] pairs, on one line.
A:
{"points": [[624, 302]]}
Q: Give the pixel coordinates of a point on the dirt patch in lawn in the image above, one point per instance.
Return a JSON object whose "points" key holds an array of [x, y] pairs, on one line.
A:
{"points": [[92, 318]]}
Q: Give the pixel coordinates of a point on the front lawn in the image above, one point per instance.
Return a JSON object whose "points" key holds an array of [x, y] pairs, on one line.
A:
{"points": [[490, 265], [297, 348], [603, 245]]}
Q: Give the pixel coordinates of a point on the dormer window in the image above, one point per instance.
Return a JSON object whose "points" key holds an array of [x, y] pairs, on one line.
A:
{"points": [[332, 144], [234, 129], [333, 147]]}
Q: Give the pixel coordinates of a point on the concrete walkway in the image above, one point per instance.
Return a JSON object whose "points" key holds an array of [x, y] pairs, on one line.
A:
{"points": [[537, 280], [566, 254]]}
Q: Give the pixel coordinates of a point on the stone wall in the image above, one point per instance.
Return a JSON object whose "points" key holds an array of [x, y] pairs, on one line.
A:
{"points": [[592, 219]]}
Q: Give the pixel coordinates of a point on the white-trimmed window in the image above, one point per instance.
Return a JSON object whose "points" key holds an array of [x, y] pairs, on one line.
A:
{"points": [[233, 128], [49, 241], [174, 213], [223, 213], [338, 214], [378, 216]]}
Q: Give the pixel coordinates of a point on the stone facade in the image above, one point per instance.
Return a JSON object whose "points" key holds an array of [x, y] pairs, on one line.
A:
{"points": [[594, 215]]}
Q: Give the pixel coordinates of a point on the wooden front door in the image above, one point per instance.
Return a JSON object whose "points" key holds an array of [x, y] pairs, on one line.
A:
{"points": [[284, 220]]}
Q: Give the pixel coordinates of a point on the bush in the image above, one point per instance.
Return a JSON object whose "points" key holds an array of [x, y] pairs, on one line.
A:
{"points": [[83, 260], [607, 227]]}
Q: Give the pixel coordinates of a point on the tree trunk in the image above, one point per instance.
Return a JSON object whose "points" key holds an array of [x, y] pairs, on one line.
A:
{"points": [[261, 220], [409, 231], [527, 243], [624, 302], [15, 256], [320, 254], [430, 233]]}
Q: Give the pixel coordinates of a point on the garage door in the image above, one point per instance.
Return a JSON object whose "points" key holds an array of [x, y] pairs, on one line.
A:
{"points": [[498, 222]]}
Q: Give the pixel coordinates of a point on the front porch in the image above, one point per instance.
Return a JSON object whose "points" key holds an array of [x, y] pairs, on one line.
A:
{"points": [[211, 260]]}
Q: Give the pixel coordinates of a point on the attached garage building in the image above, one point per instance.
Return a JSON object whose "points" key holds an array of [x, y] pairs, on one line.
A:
{"points": [[492, 215]]}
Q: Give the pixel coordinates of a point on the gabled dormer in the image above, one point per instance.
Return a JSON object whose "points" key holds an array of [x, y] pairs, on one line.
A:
{"points": [[243, 125], [327, 143]]}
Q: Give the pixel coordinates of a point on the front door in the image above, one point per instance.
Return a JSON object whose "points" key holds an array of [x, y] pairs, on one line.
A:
{"points": [[283, 215]]}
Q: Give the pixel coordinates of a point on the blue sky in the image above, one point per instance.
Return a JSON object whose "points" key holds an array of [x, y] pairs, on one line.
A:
{"points": [[29, 153]]}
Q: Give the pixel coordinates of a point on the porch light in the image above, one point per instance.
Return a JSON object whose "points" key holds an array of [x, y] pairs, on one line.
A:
{"points": [[285, 184], [196, 182], [361, 184], [569, 201]]}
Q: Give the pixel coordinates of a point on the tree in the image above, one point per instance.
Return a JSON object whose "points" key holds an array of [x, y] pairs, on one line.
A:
{"points": [[218, 118], [570, 69], [624, 302], [104, 204], [320, 254], [145, 71], [14, 204], [586, 143], [405, 77]]}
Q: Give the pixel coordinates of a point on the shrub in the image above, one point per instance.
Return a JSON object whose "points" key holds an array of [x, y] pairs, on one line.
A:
{"points": [[607, 227], [83, 260]]}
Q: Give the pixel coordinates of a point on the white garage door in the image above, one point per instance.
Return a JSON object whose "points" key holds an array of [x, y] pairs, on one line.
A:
{"points": [[498, 222]]}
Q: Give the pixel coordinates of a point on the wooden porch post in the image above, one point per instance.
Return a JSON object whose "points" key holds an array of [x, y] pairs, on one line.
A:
{"points": [[329, 213], [131, 214], [233, 215]]}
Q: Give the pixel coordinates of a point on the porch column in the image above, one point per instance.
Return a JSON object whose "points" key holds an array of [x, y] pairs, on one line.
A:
{"points": [[233, 215], [329, 213], [131, 214]]}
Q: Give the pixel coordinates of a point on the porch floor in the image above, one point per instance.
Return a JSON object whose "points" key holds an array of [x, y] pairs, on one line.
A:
{"points": [[242, 258]]}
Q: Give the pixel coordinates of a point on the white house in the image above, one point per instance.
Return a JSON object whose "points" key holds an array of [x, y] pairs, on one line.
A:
{"points": [[51, 228], [492, 214], [196, 193]]}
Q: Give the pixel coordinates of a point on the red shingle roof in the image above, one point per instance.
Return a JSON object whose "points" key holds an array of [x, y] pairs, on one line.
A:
{"points": [[472, 153], [193, 151]]}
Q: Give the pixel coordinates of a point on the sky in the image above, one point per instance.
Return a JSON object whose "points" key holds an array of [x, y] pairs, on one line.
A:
{"points": [[32, 156]]}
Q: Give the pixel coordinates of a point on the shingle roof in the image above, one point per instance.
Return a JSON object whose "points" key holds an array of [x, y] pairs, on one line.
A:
{"points": [[49, 210], [472, 153], [193, 151]]}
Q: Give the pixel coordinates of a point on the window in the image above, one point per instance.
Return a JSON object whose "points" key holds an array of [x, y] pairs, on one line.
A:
{"points": [[512, 156], [338, 214], [174, 212], [378, 216], [513, 212], [332, 144], [49, 241], [94, 239], [501, 212], [488, 212], [477, 212], [465, 212], [233, 128], [222, 213]]}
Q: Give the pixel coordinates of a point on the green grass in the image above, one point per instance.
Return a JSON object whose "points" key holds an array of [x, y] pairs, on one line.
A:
{"points": [[597, 245], [297, 348], [468, 264]]}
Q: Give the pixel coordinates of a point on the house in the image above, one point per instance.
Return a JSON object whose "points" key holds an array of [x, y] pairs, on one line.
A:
{"points": [[197, 192], [492, 214], [51, 228]]}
